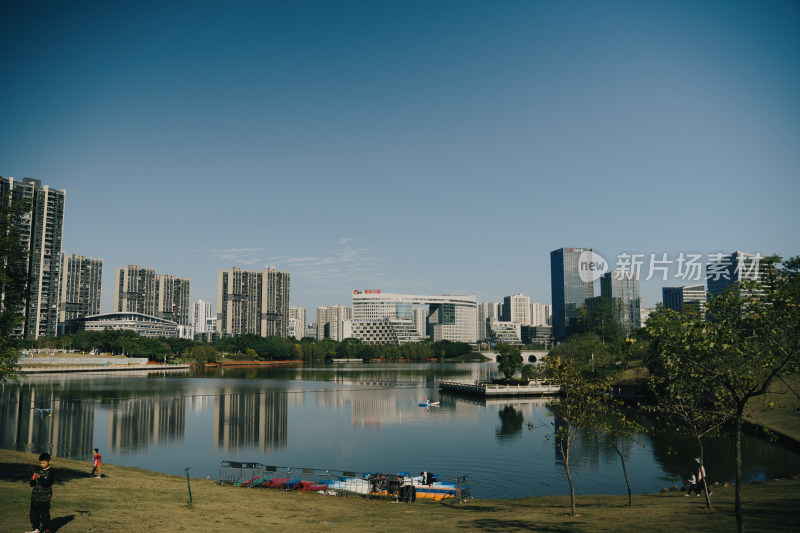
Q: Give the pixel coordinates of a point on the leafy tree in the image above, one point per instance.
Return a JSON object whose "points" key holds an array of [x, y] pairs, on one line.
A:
{"points": [[579, 405], [751, 339], [510, 359], [13, 281], [602, 319], [588, 352]]}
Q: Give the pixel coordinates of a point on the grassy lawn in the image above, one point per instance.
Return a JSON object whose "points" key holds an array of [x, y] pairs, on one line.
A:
{"points": [[131, 499], [779, 409]]}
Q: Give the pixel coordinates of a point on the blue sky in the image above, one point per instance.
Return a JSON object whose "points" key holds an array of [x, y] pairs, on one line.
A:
{"points": [[415, 147]]}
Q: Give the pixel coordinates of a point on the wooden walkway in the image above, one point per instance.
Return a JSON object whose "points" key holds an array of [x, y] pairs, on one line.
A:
{"points": [[492, 390]]}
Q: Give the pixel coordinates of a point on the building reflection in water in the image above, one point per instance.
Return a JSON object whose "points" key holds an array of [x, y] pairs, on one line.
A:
{"points": [[36, 418], [135, 423], [255, 420]]}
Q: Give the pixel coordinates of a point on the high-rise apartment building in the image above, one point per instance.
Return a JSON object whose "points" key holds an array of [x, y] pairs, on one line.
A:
{"points": [[622, 288], [203, 311], [173, 299], [253, 302], [516, 309], [541, 314], [568, 290], [142, 290], [41, 234], [297, 322], [330, 321], [486, 311], [81, 281], [691, 298]]}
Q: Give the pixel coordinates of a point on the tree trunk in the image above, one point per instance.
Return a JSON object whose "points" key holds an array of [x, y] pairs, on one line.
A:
{"points": [[705, 478], [738, 438], [565, 454], [625, 472]]}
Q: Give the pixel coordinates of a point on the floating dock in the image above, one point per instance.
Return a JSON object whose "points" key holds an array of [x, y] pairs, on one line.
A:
{"points": [[493, 390]]}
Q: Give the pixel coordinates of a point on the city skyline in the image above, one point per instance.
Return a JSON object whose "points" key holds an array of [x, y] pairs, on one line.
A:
{"points": [[414, 147]]}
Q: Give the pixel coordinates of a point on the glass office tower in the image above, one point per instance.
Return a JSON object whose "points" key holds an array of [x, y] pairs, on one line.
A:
{"points": [[568, 290]]}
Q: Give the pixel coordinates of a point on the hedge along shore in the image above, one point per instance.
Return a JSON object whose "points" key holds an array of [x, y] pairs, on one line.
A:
{"points": [[132, 499]]}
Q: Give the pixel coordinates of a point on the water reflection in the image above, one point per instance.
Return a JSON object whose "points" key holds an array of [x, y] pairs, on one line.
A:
{"points": [[510, 423], [138, 422], [258, 420], [350, 417]]}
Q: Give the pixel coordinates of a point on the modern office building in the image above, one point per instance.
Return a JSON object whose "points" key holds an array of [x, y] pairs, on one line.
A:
{"points": [[144, 325], [505, 332], [690, 298], [452, 318], [537, 335], [419, 321], [387, 331], [517, 309], [330, 320], [41, 233], [81, 280], [725, 271], [568, 290], [142, 290], [253, 302], [622, 288]]}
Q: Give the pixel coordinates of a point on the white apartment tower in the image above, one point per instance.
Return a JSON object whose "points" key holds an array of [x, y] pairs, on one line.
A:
{"points": [[330, 321], [517, 309], [41, 232], [203, 311], [297, 322], [253, 302]]}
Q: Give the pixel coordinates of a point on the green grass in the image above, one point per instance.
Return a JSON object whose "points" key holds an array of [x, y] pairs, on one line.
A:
{"points": [[778, 410], [131, 499]]}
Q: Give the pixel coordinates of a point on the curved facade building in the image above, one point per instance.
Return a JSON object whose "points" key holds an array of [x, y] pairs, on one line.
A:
{"points": [[448, 317]]}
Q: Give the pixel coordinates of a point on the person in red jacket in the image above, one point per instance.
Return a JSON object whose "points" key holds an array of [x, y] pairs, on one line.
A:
{"points": [[96, 463]]}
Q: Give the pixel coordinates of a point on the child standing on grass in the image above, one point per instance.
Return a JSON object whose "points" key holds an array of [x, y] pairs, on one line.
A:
{"points": [[96, 463], [42, 483]]}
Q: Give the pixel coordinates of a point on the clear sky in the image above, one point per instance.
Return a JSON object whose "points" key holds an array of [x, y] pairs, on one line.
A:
{"points": [[420, 147]]}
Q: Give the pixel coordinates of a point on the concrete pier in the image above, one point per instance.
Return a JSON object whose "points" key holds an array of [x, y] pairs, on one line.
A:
{"points": [[492, 390]]}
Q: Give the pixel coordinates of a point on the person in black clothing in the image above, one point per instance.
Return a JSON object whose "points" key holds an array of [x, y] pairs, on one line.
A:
{"points": [[42, 483]]}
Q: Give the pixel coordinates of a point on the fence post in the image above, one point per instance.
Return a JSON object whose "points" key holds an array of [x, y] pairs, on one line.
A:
{"points": [[190, 486]]}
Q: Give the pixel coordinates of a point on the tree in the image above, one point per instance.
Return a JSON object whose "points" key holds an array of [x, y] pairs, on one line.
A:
{"points": [[510, 360], [602, 319], [751, 339], [579, 405], [13, 280], [618, 428]]}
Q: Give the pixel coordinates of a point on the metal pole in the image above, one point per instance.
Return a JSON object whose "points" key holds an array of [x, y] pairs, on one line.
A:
{"points": [[189, 485]]}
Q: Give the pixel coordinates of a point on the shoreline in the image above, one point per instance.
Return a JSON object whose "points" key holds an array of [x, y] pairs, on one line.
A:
{"points": [[134, 499]]}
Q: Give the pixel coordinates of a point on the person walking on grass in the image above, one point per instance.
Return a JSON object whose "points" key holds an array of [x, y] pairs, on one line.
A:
{"points": [[42, 483], [701, 476], [96, 463], [691, 484]]}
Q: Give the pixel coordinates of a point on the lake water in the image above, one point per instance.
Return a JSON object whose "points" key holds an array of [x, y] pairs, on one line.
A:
{"points": [[359, 417]]}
